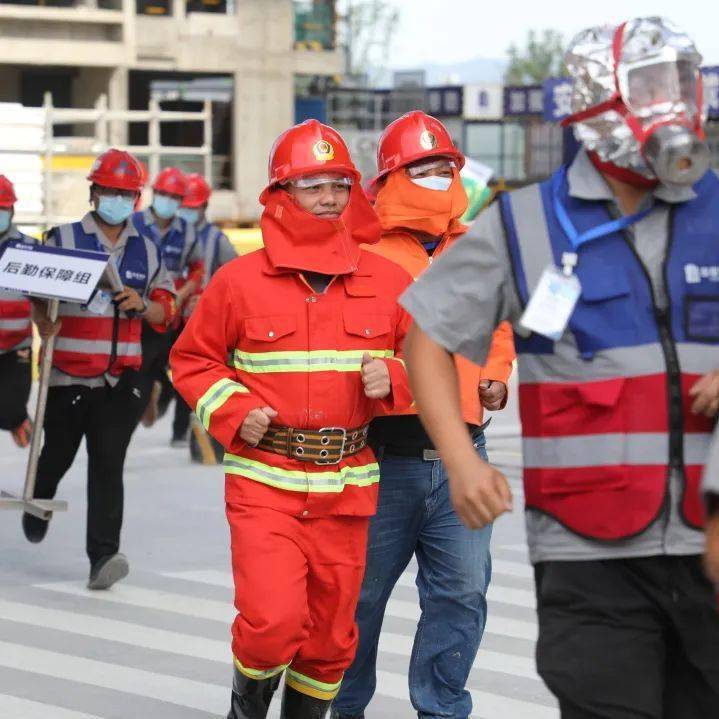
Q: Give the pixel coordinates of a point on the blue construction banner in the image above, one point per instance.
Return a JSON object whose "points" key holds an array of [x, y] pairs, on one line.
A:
{"points": [[557, 96], [710, 77]]}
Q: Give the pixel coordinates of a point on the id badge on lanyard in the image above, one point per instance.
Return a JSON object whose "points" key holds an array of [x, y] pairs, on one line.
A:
{"points": [[553, 301], [101, 299]]}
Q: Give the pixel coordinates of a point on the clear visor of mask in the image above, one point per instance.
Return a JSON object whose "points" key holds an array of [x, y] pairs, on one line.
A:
{"points": [[660, 88], [306, 183], [438, 164]]}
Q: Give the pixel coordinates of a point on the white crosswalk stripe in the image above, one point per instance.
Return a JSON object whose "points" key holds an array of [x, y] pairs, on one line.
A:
{"points": [[18, 708], [67, 609]]}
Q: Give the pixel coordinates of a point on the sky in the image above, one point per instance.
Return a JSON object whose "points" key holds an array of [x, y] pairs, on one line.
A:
{"points": [[448, 31]]}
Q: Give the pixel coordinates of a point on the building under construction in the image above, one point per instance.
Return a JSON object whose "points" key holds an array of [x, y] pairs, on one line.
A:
{"points": [[241, 56]]}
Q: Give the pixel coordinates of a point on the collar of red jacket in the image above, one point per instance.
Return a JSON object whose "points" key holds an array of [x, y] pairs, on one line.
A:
{"points": [[298, 240]]}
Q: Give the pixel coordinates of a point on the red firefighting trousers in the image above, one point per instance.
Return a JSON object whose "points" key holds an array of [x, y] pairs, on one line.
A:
{"points": [[297, 582]]}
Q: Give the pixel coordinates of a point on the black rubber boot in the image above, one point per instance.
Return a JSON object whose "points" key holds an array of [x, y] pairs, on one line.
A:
{"points": [[35, 528], [296, 705], [251, 697]]}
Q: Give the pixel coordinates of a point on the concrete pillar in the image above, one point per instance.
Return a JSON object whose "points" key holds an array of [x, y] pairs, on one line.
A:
{"points": [[263, 108], [263, 97], [117, 99]]}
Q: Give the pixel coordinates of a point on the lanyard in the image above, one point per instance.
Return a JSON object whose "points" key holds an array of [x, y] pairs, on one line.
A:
{"points": [[101, 248], [577, 239]]}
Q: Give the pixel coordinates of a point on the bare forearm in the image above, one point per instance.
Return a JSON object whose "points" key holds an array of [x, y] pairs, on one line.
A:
{"points": [[155, 313], [433, 379]]}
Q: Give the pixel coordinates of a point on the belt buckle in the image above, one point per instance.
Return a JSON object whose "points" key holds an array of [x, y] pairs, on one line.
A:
{"points": [[430, 455], [327, 432]]}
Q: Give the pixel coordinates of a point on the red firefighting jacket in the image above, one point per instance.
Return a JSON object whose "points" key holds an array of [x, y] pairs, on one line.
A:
{"points": [[260, 336]]}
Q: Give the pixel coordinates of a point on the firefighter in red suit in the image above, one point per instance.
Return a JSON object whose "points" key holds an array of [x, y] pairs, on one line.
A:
{"points": [[313, 334]]}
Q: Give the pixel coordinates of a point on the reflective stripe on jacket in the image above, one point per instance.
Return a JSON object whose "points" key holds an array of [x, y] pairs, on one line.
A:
{"points": [[261, 337]]}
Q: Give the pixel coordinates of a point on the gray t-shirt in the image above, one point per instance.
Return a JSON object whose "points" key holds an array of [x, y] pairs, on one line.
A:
{"points": [[470, 289]]}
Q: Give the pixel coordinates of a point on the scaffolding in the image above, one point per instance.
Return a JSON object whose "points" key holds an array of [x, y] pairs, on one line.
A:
{"points": [[29, 146]]}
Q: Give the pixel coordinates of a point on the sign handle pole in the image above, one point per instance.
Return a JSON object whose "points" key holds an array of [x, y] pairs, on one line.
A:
{"points": [[45, 367]]}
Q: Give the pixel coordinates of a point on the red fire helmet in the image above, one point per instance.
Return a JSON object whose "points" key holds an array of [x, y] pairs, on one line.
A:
{"points": [[306, 149], [198, 191], [413, 137], [171, 181], [7, 193], [117, 169]]}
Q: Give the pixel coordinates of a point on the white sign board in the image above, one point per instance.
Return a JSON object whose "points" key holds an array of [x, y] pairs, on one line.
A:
{"points": [[53, 272], [483, 101]]}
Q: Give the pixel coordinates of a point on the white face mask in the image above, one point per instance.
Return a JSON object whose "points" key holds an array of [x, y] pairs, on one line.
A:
{"points": [[432, 182]]}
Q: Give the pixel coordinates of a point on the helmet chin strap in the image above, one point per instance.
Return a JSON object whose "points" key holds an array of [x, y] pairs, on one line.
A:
{"points": [[623, 174]]}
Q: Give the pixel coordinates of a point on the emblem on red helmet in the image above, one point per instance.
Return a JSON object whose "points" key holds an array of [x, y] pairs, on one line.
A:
{"points": [[323, 151], [428, 140]]}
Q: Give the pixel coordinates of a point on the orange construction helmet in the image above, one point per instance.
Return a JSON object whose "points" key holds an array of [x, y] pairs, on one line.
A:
{"points": [[306, 149], [198, 191], [117, 169], [171, 181], [7, 193], [413, 137]]}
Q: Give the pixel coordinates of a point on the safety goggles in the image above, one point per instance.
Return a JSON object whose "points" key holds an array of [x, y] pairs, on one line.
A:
{"points": [[441, 163], [308, 182]]}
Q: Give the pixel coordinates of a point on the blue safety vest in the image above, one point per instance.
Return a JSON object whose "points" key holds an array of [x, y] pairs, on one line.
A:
{"points": [[173, 245], [605, 409]]}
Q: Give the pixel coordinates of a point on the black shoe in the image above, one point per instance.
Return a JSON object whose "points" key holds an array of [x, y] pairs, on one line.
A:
{"points": [[296, 705], [335, 714], [108, 570], [35, 528], [251, 697]]}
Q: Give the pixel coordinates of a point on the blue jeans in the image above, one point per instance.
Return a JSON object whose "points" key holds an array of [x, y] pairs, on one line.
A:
{"points": [[415, 516]]}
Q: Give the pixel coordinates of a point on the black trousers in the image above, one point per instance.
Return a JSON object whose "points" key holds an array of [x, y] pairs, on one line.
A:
{"points": [[629, 638], [15, 383], [106, 417], [156, 348], [181, 420]]}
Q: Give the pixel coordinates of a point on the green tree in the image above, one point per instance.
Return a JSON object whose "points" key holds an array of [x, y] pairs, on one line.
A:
{"points": [[542, 57], [367, 28]]}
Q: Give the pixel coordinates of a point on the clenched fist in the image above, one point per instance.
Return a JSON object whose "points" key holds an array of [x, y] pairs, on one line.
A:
{"points": [[479, 493], [705, 393], [492, 394], [375, 377], [256, 425]]}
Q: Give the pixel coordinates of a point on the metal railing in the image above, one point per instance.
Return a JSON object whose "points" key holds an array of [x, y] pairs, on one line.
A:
{"points": [[101, 117]]}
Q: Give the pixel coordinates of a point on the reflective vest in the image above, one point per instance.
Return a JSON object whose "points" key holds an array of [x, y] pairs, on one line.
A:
{"points": [[209, 237], [177, 244], [15, 311], [88, 344], [605, 410]]}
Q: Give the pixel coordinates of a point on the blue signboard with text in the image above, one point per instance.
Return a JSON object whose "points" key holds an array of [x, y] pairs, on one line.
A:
{"points": [[523, 100]]}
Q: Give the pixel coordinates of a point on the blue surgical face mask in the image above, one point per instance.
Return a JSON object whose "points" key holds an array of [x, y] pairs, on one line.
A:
{"points": [[164, 206], [191, 215], [115, 209], [433, 182], [5, 216]]}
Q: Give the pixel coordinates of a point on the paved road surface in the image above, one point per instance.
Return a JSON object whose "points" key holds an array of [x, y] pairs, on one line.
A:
{"points": [[156, 645]]}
